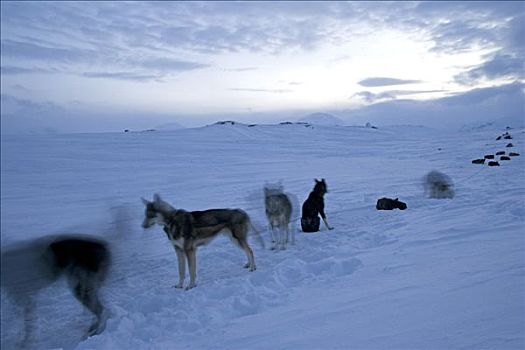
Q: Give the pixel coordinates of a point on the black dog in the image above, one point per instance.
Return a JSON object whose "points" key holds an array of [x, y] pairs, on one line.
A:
{"points": [[31, 266], [390, 204], [313, 206]]}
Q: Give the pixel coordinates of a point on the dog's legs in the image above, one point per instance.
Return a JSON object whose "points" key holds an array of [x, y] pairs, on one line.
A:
{"points": [[275, 236], [249, 254], [181, 257], [292, 233], [327, 225], [280, 234], [240, 235], [286, 235], [192, 264], [258, 235], [29, 306], [85, 289]]}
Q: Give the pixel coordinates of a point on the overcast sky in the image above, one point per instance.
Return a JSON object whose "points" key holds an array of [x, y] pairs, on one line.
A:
{"points": [[115, 65]]}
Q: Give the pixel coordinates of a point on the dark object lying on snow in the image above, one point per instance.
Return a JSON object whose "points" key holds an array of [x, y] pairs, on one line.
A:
{"points": [[510, 145], [500, 153], [489, 156], [438, 185], [478, 161], [506, 136], [390, 204], [493, 164], [513, 154], [504, 158]]}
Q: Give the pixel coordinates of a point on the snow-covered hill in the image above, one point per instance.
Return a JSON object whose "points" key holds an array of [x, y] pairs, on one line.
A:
{"points": [[325, 119], [441, 274]]}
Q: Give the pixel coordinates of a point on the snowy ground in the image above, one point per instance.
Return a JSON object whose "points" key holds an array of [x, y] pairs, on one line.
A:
{"points": [[442, 274]]}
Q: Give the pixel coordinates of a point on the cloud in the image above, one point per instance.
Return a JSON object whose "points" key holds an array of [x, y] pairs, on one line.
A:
{"points": [[481, 95], [27, 117], [241, 69], [36, 52], [153, 41], [24, 116], [20, 88], [168, 64], [515, 38], [109, 34], [15, 105], [468, 26], [255, 26], [152, 69], [173, 27], [371, 97], [379, 81], [236, 35], [458, 26], [13, 70], [502, 104], [455, 27], [68, 60], [274, 91], [75, 37], [500, 66], [122, 76]]}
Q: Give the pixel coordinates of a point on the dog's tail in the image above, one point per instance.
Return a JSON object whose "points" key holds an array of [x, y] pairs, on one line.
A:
{"points": [[258, 234]]}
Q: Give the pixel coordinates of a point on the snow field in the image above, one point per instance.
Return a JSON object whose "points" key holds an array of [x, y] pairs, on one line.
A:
{"points": [[441, 274]]}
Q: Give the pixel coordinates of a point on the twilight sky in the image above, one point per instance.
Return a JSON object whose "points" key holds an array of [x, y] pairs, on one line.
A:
{"points": [[86, 66]]}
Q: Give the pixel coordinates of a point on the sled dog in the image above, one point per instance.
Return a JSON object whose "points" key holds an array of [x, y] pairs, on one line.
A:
{"points": [[438, 185], [29, 267], [278, 211], [314, 206], [189, 230], [390, 204]]}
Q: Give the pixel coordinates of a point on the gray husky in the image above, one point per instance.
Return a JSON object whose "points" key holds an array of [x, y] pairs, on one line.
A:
{"points": [[189, 230], [31, 266], [278, 211]]}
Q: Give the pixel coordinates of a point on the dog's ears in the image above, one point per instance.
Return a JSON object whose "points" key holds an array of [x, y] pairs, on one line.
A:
{"points": [[396, 199], [145, 201], [322, 180], [317, 181], [159, 204], [156, 198]]}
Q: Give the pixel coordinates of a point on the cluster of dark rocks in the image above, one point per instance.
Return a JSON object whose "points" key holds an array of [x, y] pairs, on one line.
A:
{"points": [[502, 154], [305, 124], [505, 136]]}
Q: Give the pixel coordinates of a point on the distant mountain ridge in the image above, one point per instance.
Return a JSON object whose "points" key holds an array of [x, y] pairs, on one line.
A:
{"points": [[320, 118]]}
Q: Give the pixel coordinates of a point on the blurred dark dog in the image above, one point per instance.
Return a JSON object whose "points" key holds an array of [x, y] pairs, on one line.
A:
{"points": [[438, 185], [31, 266], [313, 207]]}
